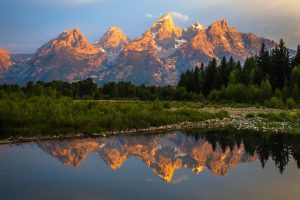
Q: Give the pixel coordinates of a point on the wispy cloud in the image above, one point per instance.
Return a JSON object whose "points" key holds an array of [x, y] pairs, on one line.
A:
{"points": [[180, 16], [149, 15]]}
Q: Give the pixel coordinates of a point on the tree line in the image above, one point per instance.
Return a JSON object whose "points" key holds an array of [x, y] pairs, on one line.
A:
{"points": [[88, 89], [270, 78]]}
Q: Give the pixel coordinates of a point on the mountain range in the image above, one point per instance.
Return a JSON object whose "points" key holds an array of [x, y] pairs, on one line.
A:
{"points": [[157, 57]]}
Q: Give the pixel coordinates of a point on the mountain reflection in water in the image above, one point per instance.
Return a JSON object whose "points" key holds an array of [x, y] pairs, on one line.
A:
{"points": [[164, 154]]}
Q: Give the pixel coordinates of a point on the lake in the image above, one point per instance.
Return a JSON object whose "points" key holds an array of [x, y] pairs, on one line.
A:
{"points": [[197, 164]]}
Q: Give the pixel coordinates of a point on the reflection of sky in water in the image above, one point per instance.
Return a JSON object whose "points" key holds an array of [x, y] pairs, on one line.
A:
{"points": [[27, 172]]}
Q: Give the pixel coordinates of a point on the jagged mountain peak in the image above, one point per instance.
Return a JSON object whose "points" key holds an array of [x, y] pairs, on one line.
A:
{"points": [[73, 38], [220, 24], [114, 31], [165, 26], [114, 37], [166, 17], [198, 26], [192, 31]]}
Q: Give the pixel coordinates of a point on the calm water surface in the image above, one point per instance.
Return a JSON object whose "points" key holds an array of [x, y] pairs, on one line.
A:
{"points": [[177, 165]]}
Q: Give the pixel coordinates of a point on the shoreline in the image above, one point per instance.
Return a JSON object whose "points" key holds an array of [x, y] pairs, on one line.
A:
{"points": [[234, 121]]}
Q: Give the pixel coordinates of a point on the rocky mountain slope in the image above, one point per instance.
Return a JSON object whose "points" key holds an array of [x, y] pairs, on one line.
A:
{"points": [[158, 56], [5, 60]]}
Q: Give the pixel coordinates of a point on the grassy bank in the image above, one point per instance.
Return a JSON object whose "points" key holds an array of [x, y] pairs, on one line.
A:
{"points": [[42, 115], [289, 121]]}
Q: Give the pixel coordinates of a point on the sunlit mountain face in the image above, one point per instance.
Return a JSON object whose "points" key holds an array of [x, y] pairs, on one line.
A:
{"points": [[158, 56], [165, 154]]}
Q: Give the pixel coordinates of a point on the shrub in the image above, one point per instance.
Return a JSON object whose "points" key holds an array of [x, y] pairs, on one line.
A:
{"points": [[290, 102], [275, 102]]}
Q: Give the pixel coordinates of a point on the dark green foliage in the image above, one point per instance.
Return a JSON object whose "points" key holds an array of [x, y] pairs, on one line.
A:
{"points": [[263, 61], [251, 73], [44, 115], [295, 83], [210, 77], [280, 66], [296, 59], [224, 71], [268, 79]]}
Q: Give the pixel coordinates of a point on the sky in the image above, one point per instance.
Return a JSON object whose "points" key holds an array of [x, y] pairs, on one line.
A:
{"points": [[25, 25]]}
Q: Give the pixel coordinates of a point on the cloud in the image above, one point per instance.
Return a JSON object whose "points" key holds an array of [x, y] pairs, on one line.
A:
{"points": [[180, 16], [149, 15]]}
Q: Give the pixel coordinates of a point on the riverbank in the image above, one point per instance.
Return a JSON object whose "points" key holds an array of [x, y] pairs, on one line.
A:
{"points": [[46, 116], [255, 119]]}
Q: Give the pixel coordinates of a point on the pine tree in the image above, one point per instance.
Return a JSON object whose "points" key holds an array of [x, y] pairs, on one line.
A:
{"points": [[197, 78], [231, 64], [191, 82], [239, 66], [183, 80], [263, 61], [296, 59], [224, 71], [210, 76], [280, 61]]}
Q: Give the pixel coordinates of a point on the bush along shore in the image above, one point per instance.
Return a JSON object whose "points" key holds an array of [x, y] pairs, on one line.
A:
{"points": [[44, 116], [47, 118]]}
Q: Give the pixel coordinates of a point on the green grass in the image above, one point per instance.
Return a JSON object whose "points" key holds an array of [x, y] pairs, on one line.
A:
{"points": [[287, 121], [42, 115]]}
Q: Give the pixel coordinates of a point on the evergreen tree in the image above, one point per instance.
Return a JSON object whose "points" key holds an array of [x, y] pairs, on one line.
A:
{"points": [[280, 65], [250, 72], [296, 59], [231, 64], [191, 81], [239, 66], [263, 61], [210, 77], [218, 80], [295, 82], [183, 80], [197, 78], [296, 93], [224, 71]]}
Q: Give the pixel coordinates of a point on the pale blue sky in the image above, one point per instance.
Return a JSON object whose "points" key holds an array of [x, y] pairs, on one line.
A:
{"points": [[27, 24]]}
